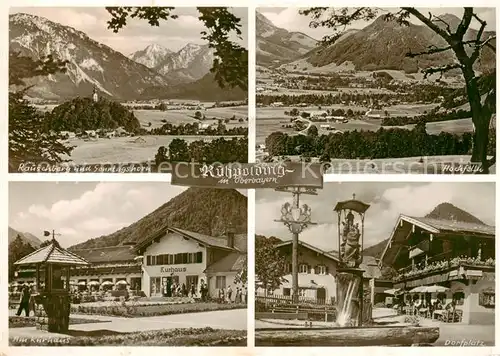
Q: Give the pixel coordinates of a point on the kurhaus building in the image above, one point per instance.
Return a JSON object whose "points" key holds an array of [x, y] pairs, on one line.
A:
{"points": [[456, 257], [179, 255]]}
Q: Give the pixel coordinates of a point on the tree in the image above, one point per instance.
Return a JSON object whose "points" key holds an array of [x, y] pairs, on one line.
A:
{"points": [[161, 156], [269, 264], [29, 140], [242, 275], [466, 52], [230, 65], [312, 131], [17, 250], [198, 115], [178, 150]]}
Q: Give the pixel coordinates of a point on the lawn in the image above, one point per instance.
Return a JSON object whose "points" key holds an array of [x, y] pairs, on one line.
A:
{"points": [[131, 309], [171, 337]]}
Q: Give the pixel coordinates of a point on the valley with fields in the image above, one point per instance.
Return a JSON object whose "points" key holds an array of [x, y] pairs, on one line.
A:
{"points": [[372, 95], [92, 104]]}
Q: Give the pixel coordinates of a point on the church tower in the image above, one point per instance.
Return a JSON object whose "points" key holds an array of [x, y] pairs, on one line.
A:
{"points": [[95, 97]]}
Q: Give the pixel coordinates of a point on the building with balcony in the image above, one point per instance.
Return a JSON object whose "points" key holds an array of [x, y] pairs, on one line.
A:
{"points": [[181, 256], [455, 257], [317, 273]]}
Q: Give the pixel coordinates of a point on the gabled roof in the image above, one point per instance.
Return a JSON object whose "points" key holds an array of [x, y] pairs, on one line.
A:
{"points": [[233, 262], [107, 254], [52, 253], [442, 225], [218, 242], [437, 227], [310, 247]]}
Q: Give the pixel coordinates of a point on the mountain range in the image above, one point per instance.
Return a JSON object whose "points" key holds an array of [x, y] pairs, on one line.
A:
{"points": [[201, 210], [190, 63], [380, 45], [25, 236], [277, 45], [93, 64]]}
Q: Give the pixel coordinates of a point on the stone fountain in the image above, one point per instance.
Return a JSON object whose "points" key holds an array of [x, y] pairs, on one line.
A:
{"points": [[349, 276]]}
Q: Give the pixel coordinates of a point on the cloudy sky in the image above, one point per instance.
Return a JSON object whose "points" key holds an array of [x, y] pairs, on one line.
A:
{"points": [[138, 34], [387, 201], [80, 211], [290, 19]]}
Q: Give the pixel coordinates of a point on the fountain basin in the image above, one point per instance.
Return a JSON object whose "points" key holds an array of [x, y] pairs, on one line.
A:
{"points": [[347, 336]]}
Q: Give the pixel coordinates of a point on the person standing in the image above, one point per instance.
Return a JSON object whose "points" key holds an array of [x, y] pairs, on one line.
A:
{"points": [[229, 294], [24, 302], [169, 287], [193, 290], [221, 295]]}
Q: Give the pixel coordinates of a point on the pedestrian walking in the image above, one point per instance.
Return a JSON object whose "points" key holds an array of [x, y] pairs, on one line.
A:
{"points": [[24, 301]]}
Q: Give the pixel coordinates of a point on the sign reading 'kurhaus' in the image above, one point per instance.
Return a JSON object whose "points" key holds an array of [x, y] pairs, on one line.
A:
{"points": [[248, 175]]}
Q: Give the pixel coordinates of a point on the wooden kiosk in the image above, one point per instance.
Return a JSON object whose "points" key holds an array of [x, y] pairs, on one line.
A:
{"points": [[52, 295]]}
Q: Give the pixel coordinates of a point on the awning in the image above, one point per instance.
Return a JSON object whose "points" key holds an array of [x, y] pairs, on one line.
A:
{"points": [[393, 291], [106, 283], [436, 289], [419, 289]]}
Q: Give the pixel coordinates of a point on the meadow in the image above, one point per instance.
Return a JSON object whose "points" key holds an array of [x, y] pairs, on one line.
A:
{"points": [[124, 149], [270, 120]]}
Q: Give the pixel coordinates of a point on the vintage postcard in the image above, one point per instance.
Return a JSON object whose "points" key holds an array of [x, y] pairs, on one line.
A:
{"points": [[377, 90], [126, 264], [376, 264], [119, 90]]}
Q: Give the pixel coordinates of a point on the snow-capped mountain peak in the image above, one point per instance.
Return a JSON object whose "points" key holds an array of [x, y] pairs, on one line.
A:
{"points": [[90, 63], [152, 55]]}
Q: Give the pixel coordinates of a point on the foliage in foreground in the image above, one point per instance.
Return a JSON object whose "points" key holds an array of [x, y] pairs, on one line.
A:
{"points": [[132, 311], [172, 337], [384, 143]]}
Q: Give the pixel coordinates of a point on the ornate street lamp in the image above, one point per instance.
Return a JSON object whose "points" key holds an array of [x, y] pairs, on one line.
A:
{"points": [[296, 218]]}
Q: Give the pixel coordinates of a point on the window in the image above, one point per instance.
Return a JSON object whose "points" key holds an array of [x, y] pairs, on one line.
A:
{"points": [[191, 280], [320, 269], [177, 259], [487, 298], [287, 292], [220, 282], [288, 268], [155, 286], [302, 292], [458, 297], [303, 268]]}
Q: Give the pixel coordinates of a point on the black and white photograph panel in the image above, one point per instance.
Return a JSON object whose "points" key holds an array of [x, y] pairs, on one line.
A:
{"points": [[126, 264], [92, 88], [377, 90], [376, 264]]}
